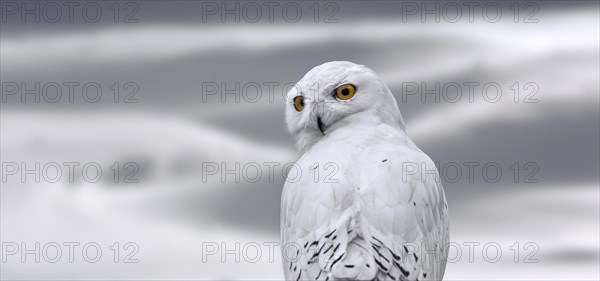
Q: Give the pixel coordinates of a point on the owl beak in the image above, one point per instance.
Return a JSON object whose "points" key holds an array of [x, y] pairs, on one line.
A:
{"points": [[318, 110], [320, 124]]}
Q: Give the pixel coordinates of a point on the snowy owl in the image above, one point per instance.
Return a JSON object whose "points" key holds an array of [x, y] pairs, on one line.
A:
{"points": [[363, 201]]}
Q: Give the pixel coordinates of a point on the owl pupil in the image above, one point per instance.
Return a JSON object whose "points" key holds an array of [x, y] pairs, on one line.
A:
{"points": [[345, 92]]}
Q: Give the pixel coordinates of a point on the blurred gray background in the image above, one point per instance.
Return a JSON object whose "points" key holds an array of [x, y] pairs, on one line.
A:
{"points": [[171, 50]]}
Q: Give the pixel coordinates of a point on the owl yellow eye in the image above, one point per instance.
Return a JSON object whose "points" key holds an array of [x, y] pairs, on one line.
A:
{"points": [[345, 92], [299, 103]]}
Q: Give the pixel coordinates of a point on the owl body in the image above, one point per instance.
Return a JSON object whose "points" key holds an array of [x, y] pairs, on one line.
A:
{"points": [[364, 202]]}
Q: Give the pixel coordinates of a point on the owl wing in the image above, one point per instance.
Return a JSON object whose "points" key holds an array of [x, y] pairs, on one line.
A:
{"points": [[369, 221], [407, 218], [313, 214]]}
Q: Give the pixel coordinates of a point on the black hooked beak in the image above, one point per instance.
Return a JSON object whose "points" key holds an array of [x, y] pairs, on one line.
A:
{"points": [[317, 112], [320, 124]]}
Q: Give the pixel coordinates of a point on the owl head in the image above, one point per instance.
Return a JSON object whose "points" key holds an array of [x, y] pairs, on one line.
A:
{"points": [[335, 95]]}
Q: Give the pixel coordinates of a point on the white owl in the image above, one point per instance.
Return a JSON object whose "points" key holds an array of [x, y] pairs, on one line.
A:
{"points": [[363, 202]]}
